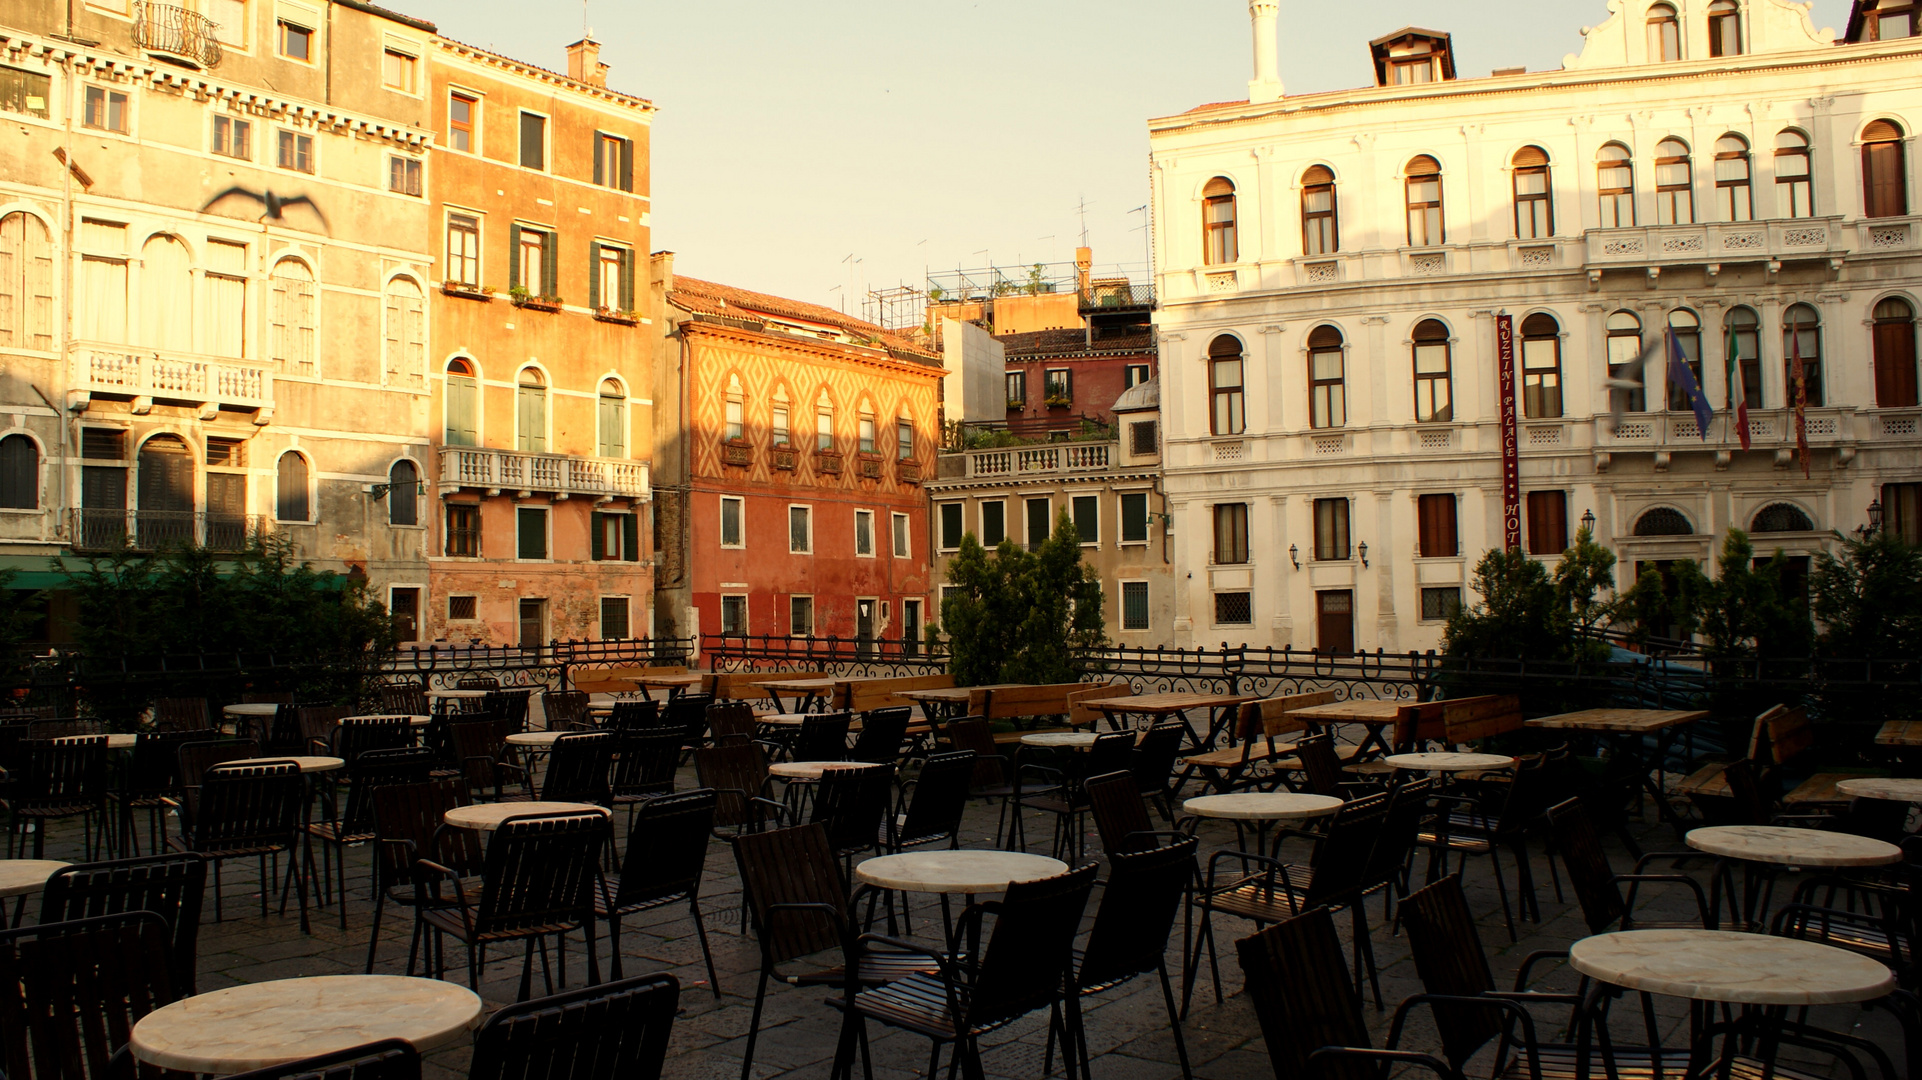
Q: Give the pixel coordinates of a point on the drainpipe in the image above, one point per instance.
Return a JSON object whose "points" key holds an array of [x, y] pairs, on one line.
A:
{"points": [[71, 269]]}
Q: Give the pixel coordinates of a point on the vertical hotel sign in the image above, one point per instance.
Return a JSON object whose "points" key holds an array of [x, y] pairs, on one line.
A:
{"points": [[1511, 451]]}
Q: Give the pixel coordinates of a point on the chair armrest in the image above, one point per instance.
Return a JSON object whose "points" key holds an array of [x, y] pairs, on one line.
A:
{"points": [[1323, 1058], [1635, 881], [1528, 964], [1512, 1008], [780, 811]]}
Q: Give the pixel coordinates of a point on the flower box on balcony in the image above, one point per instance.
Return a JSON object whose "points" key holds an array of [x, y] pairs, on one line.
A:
{"points": [[467, 291], [827, 461], [524, 299], [909, 472], [1016, 404], [618, 316], [1059, 401], [871, 468], [782, 458], [737, 453]]}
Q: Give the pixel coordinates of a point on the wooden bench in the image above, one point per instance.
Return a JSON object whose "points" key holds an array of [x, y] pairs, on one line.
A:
{"points": [[860, 695], [739, 686], [1257, 723], [1022, 703], [1778, 737], [1083, 715], [1473, 719]]}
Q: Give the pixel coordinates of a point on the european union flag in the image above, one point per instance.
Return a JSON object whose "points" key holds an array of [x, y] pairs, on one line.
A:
{"points": [[1680, 376]]}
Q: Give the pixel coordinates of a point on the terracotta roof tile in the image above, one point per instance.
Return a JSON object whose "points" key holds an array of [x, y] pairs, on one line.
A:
{"points": [[1216, 105], [693, 294], [1072, 340]]}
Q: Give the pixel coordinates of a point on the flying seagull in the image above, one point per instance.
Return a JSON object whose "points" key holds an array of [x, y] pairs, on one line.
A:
{"points": [[274, 203]]}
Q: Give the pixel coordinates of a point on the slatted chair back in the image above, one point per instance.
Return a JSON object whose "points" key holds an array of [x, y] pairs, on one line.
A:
{"points": [[540, 870], [1400, 831], [479, 748], [196, 757], [477, 682], [511, 705], [1081, 711], [1320, 764], [617, 1029], [1137, 912], [1587, 865], [375, 769], [823, 737], [1780, 735], [68, 771], [1471, 720], [645, 762], [882, 732], [1019, 702], [1029, 955], [317, 723], [1153, 758], [356, 735], [405, 699], [407, 818], [154, 766], [1269, 719], [939, 796], [667, 847], [1111, 752], [1749, 805], [852, 804], [861, 695], [43, 730], [566, 710], [634, 715], [972, 733], [793, 866], [180, 714], [267, 697], [1303, 998], [738, 774], [687, 710], [171, 886], [388, 1059], [730, 720], [1449, 958], [245, 808], [280, 733], [579, 767], [1341, 856], [1120, 813], [71, 992]]}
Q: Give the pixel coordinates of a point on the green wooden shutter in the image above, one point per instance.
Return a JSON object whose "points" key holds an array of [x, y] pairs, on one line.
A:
{"points": [[600, 163], [550, 265], [514, 256], [627, 164], [532, 532], [627, 280], [594, 299], [596, 522], [631, 537]]}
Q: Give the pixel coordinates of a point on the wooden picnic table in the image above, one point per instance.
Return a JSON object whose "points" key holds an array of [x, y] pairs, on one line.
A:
{"points": [[806, 692], [1221, 707], [1905, 733], [951, 701], [1620, 721], [674, 683], [1375, 714]]}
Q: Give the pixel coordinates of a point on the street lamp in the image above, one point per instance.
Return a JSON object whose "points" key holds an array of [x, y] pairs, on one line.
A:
{"points": [[1293, 556], [1588, 521], [1363, 551], [1875, 519]]}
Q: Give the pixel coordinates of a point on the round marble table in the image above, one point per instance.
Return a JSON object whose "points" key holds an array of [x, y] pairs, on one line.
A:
{"points": [[1448, 762], [812, 770], [1071, 740], [24, 877], [1882, 787], [271, 1023], [534, 738], [1792, 847], [309, 763], [966, 871], [251, 708], [115, 740], [486, 817], [1262, 806], [459, 695], [783, 719], [416, 721], [1724, 966]]}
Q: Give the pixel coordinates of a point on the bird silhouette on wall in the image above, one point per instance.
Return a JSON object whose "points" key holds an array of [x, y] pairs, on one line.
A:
{"points": [[274, 203]]}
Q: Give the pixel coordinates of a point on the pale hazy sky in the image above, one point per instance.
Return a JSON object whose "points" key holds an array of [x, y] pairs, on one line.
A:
{"points": [[911, 134]]}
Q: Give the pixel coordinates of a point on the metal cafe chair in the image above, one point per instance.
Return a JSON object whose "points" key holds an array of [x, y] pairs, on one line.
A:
{"points": [[616, 1029], [666, 855]]}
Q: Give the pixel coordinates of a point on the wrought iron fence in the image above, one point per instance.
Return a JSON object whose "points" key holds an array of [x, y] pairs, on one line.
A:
{"points": [[98, 530], [177, 31], [851, 657]]}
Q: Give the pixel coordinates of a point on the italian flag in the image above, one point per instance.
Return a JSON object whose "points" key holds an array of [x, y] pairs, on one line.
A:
{"points": [[1737, 393]]}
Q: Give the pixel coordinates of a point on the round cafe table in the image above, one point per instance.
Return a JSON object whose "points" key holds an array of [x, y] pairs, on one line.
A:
{"points": [[967, 871], [812, 770], [459, 695], [486, 817], [1060, 740], [264, 1024], [1448, 762], [1882, 787], [24, 877], [1724, 966], [534, 738], [1262, 809], [309, 763], [1769, 846], [250, 713]]}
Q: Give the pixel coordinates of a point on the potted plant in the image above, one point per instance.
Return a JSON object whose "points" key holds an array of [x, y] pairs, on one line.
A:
{"points": [[1016, 404], [469, 289], [616, 315], [1059, 401]]}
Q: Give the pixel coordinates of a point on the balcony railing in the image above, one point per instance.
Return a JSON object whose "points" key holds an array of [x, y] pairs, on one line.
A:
{"points": [[1827, 426], [1034, 460], [151, 530], [1718, 242], [198, 380], [561, 474], [166, 28], [1115, 296]]}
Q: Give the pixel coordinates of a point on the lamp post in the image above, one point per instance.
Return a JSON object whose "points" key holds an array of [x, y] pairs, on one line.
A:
{"points": [[1362, 550], [1293, 556], [1875, 521], [1588, 522]]}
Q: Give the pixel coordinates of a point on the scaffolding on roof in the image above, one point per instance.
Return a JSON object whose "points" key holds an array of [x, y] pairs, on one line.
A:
{"points": [[902, 309]]}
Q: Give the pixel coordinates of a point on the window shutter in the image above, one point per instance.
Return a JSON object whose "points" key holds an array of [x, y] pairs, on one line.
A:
{"points": [[1882, 177], [533, 533], [630, 538], [594, 255], [13, 253], [513, 256], [627, 164], [627, 280], [37, 327], [596, 523], [600, 162], [550, 264]]}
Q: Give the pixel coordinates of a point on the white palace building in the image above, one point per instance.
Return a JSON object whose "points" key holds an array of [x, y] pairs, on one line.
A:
{"points": [[1334, 269]]}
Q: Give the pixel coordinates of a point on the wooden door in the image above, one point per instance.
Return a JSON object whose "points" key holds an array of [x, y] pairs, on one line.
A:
{"points": [[1335, 621], [166, 493], [226, 511]]}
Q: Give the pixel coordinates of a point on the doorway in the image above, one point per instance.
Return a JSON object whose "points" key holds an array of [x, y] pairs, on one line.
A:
{"points": [[533, 623], [864, 629], [911, 627], [166, 493], [403, 605], [1335, 621]]}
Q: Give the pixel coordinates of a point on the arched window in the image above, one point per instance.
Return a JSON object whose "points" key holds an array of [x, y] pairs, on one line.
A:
{"points": [[26, 283], [1732, 179], [1615, 184], [1794, 195], [1219, 240], [1624, 348], [166, 493], [405, 348], [1327, 397], [1724, 29], [1320, 234], [778, 432], [19, 473], [610, 440], [1884, 180], [461, 419], [290, 313], [1743, 332], [291, 502], [1894, 354], [865, 429], [1663, 521], [1664, 34], [1425, 203], [1541, 367], [734, 412], [1225, 386], [1534, 209], [166, 296], [824, 423], [1674, 184], [1434, 393], [530, 412], [1686, 327], [403, 493], [1781, 518], [1802, 343]]}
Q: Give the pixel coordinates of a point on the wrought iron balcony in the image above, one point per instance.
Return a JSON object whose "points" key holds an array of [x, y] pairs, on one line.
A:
{"points": [[1115, 296], [177, 32], [195, 380], [97, 530], [558, 474]]}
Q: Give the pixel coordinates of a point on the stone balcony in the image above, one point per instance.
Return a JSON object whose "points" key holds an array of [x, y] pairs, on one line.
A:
{"points": [[146, 376], [1021, 461], [1652, 248], [560, 475], [1664, 433]]}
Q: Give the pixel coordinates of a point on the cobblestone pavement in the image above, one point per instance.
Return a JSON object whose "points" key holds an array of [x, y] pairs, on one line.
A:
{"points": [[1127, 1028]]}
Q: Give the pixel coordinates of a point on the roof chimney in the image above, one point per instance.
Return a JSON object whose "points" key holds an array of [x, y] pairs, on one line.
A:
{"points": [[584, 62], [1266, 85], [1083, 263]]}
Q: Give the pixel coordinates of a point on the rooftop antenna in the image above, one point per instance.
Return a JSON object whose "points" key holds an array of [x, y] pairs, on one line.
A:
{"points": [[1147, 241], [1084, 220]]}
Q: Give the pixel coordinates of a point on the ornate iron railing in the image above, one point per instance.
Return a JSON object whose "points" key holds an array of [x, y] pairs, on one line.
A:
{"points": [[96, 530], [176, 31]]}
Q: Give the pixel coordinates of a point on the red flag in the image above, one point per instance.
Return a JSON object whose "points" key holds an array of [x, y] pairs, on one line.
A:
{"points": [[1799, 376]]}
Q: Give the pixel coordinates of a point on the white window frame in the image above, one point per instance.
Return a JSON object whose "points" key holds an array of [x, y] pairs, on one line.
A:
{"points": [[940, 526], [741, 521], [126, 111], [746, 614], [547, 518], [1121, 601], [451, 597], [474, 121], [1096, 542], [1120, 519], [813, 615], [901, 535], [600, 615], [313, 485], [981, 523], [547, 140], [300, 19], [791, 508], [313, 152], [213, 139], [869, 516], [410, 50], [480, 243]]}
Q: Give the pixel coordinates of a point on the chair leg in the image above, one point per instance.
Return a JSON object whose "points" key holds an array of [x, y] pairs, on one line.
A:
{"points": [[1174, 1021], [1365, 951], [754, 1027], [700, 931], [373, 935], [340, 872], [1501, 888]]}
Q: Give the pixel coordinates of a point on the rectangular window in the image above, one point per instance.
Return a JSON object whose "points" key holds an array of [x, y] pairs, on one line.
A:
{"points": [[403, 608], [1142, 440], [1039, 522], [463, 119], [800, 615], [1060, 386], [1087, 519], [1234, 609], [295, 42], [530, 261], [1134, 605], [463, 530], [233, 138], [530, 532], [230, 453], [800, 530], [24, 92], [824, 430], [1134, 376], [1902, 511], [734, 416], [613, 161], [903, 440], [103, 444], [1134, 517], [1231, 533], [1439, 537], [1331, 530], [778, 426], [901, 542], [403, 175], [1017, 389], [994, 523], [1439, 603], [463, 608], [1547, 522], [106, 110], [734, 616], [867, 434], [732, 510], [614, 618], [614, 537], [952, 525], [612, 279], [398, 71], [864, 533], [463, 249], [533, 141], [295, 151]]}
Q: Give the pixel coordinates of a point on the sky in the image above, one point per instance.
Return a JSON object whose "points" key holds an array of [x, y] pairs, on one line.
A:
{"points": [[822, 148]]}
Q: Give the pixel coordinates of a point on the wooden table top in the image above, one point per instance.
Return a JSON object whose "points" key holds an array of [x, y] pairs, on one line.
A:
{"points": [[1900, 733], [798, 686], [1354, 711], [686, 678], [955, 695], [1161, 704], [1620, 721]]}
